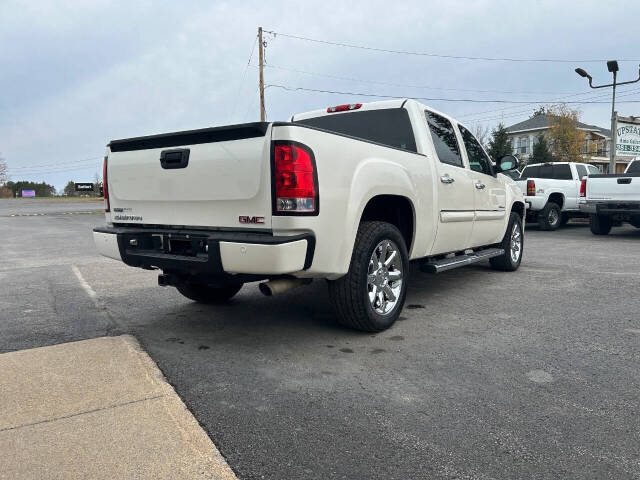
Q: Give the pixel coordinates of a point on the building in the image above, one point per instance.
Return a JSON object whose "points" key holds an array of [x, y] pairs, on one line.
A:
{"points": [[524, 135]]}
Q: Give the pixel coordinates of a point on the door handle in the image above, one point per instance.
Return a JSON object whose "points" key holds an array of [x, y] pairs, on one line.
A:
{"points": [[446, 179], [176, 158], [480, 186]]}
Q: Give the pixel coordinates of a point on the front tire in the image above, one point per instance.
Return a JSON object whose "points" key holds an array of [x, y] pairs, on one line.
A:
{"points": [[513, 246], [550, 217], [203, 293], [371, 295], [600, 225]]}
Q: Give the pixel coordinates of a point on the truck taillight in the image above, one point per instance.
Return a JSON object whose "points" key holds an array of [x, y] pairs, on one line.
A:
{"points": [[295, 179], [105, 188], [531, 188], [583, 187]]}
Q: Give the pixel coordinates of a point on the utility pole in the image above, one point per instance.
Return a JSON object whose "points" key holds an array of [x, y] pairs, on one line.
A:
{"points": [[612, 66], [261, 62]]}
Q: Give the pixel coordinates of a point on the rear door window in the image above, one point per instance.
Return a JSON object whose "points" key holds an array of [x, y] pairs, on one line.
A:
{"points": [[389, 126], [561, 172], [444, 139]]}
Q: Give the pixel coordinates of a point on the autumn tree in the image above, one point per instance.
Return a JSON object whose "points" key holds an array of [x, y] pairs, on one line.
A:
{"points": [[541, 110], [499, 145], [567, 141]]}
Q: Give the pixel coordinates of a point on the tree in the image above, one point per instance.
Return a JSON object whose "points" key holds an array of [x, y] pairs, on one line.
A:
{"points": [[70, 188], [541, 151], [567, 142], [541, 110], [4, 176], [42, 189], [499, 145], [481, 133]]}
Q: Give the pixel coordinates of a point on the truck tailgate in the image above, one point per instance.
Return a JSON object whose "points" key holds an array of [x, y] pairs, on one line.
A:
{"points": [[200, 178], [617, 187]]}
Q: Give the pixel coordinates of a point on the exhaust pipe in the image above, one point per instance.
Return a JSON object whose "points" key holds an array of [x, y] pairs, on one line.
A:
{"points": [[280, 285]]}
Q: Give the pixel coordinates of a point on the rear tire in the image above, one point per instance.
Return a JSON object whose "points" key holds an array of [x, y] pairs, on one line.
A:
{"points": [[550, 217], [202, 293], [513, 245], [600, 225], [371, 295]]}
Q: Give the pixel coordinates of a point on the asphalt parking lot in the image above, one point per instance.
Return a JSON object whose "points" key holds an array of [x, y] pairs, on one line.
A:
{"points": [[532, 374]]}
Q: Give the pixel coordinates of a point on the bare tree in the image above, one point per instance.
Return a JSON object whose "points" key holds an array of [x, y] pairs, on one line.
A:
{"points": [[4, 176], [481, 132]]}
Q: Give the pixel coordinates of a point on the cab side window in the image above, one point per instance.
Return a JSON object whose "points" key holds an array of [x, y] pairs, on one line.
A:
{"points": [[444, 139], [582, 171], [478, 160]]}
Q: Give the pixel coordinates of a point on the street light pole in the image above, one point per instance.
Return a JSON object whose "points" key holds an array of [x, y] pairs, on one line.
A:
{"points": [[612, 66], [612, 148]]}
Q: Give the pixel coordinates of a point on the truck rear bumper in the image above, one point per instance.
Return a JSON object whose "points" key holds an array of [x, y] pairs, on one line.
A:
{"points": [[205, 252], [611, 208]]}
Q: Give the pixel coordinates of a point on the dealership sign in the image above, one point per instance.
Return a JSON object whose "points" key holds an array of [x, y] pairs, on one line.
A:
{"points": [[628, 136], [28, 193], [84, 187]]}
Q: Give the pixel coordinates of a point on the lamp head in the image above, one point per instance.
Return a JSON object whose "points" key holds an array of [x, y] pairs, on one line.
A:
{"points": [[582, 73], [612, 66]]}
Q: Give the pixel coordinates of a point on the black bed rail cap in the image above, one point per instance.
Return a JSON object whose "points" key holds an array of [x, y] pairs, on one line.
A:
{"points": [[191, 137]]}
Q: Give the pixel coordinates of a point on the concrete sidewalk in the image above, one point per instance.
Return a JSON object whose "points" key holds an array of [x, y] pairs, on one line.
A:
{"points": [[97, 409]]}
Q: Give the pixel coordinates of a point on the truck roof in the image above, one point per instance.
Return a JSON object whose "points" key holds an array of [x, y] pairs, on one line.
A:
{"points": [[383, 104], [379, 105]]}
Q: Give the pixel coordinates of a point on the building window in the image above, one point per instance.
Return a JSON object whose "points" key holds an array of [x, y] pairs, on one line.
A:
{"points": [[523, 145]]}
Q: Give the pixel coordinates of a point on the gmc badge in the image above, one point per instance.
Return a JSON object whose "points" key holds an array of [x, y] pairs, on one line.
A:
{"points": [[247, 219]]}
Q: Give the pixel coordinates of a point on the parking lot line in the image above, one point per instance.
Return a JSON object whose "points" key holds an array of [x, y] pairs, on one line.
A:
{"points": [[97, 408]]}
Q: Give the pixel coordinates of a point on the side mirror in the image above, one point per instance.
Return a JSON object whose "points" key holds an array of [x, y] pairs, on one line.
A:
{"points": [[506, 163]]}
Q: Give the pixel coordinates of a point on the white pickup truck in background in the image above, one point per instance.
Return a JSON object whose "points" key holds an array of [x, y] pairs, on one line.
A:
{"points": [[551, 191], [349, 194], [612, 199]]}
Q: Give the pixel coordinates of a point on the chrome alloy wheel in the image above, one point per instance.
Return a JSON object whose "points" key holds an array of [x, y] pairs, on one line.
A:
{"points": [[516, 243], [384, 277], [553, 218]]}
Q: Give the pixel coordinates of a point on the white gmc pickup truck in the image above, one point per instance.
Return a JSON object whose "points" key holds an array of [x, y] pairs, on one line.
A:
{"points": [[612, 199], [552, 190], [348, 193]]}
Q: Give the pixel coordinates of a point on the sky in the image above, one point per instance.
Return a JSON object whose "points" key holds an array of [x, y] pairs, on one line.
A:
{"points": [[76, 74]]}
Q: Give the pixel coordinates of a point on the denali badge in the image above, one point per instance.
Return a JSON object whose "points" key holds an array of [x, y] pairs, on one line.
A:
{"points": [[246, 219]]}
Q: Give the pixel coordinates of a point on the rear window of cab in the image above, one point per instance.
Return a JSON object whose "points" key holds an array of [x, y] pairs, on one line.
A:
{"points": [[390, 127], [555, 172]]}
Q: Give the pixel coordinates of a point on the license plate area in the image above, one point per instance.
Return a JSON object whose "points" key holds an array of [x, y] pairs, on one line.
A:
{"points": [[184, 245]]}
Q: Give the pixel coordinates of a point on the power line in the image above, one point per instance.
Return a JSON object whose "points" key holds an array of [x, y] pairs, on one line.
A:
{"points": [[437, 55], [374, 82], [528, 111], [55, 164], [43, 172], [434, 99], [244, 73], [557, 100]]}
